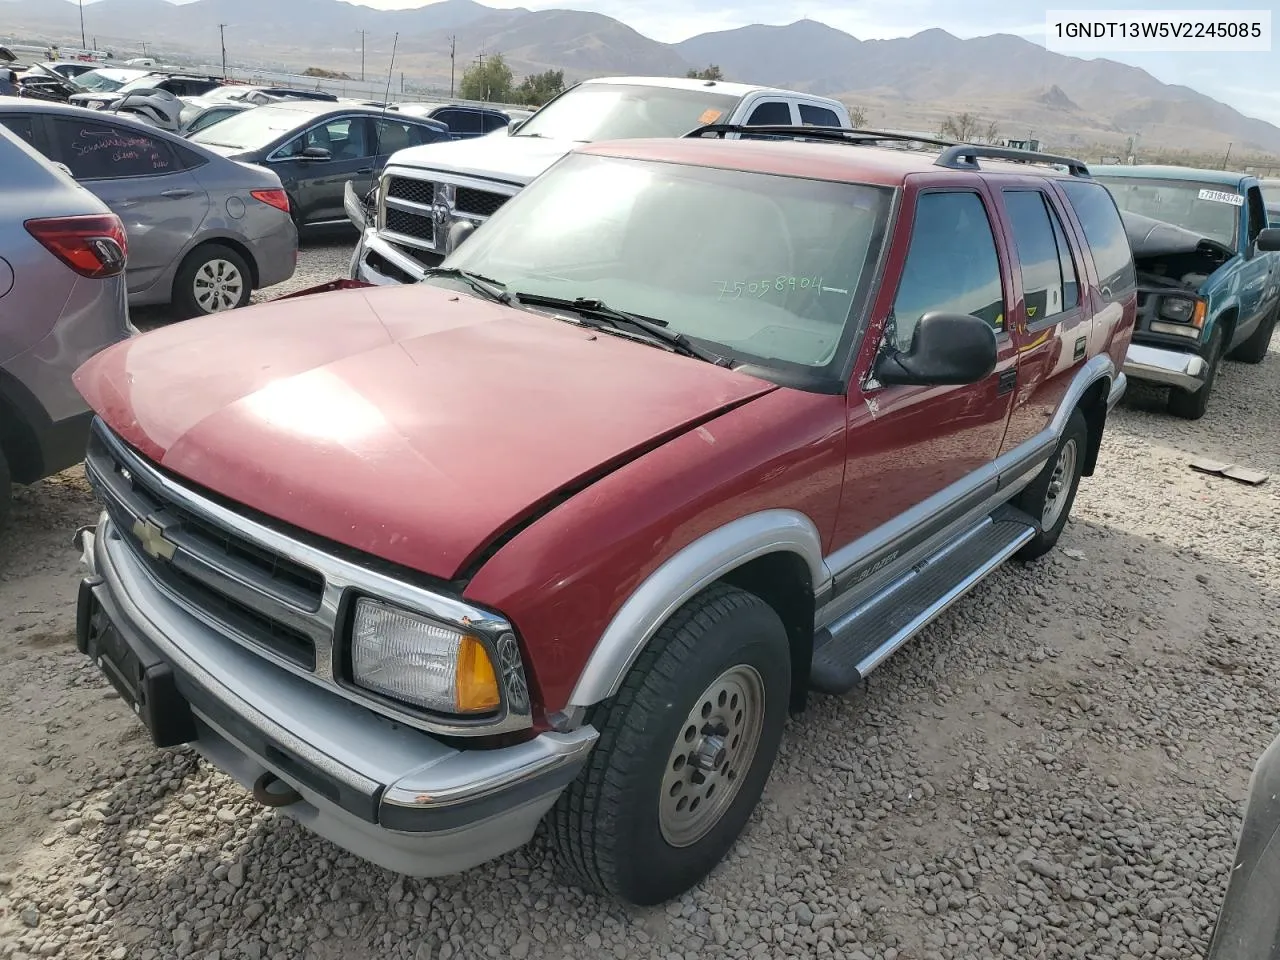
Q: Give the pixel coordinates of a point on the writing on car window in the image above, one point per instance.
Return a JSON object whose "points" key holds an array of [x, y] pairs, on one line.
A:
{"points": [[761, 287]]}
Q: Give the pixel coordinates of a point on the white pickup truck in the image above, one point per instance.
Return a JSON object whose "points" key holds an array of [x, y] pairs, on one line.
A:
{"points": [[427, 192]]}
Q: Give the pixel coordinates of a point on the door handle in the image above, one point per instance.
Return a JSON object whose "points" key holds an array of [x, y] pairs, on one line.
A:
{"points": [[365, 170], [176, 194], [1008, 379]]}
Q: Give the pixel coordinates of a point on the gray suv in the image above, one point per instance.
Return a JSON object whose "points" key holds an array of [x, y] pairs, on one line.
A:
{"points": [[62, 299]]}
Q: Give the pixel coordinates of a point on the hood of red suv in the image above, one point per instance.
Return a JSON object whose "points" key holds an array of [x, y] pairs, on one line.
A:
{"points": [[413, 423]]}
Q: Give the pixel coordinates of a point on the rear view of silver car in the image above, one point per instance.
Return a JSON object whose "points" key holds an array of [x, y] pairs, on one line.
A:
{"points": [[62, 299], [204, 231]]}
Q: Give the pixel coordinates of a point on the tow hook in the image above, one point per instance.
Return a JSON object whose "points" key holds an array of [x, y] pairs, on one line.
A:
{"points": [[83, 541], [263, 793]]}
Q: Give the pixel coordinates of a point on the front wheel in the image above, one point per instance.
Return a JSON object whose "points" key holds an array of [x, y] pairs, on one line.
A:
{"points": [[212, 279], [685, 749]]}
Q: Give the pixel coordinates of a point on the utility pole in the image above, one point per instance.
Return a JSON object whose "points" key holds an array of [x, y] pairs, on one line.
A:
{"points": [[453, 53], [222, 32], [1228, 156], [144, 45], [362, 56], [484, 77], [83, 44]]}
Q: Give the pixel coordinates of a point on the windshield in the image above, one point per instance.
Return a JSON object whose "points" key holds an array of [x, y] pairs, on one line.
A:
{"points": [[757, 267], [252, 128], [97, 81], [616, 111], [1202, 208]]}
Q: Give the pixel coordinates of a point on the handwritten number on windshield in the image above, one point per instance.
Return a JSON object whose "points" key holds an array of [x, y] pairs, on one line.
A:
{"points": [[761, 287]]}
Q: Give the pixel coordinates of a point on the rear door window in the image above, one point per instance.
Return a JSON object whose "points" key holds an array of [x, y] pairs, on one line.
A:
{"points": [[21, 125], [1049, 284], [103, 151], [491, 122], [771, 113], [1104, 230], [812, 116]]}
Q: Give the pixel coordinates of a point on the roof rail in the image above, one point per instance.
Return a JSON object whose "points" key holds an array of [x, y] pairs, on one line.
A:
{"points": [[852, 135], [965, 156]]}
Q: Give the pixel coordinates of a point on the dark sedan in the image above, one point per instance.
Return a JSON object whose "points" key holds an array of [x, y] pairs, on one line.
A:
{"points": [[315, 148]]}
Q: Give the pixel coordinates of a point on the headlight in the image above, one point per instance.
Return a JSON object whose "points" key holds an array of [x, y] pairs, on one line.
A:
{"points": [[1177, 309], [410, 658]]}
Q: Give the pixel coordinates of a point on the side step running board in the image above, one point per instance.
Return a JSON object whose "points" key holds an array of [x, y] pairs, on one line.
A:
{"points": [[851, 647]]}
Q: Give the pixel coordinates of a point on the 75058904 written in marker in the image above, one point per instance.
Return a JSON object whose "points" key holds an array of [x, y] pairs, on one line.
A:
{"points": [[1170, 31]]}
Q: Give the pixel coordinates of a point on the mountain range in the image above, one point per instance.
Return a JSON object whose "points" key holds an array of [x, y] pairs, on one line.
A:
{"points": [[908, 83]]}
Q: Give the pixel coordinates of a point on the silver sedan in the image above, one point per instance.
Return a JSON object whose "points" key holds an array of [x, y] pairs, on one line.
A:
{"points": [[204, 231]]}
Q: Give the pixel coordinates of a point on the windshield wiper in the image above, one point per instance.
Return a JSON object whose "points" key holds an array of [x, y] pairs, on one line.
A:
{"points": [[485, 286], [653, 329]]}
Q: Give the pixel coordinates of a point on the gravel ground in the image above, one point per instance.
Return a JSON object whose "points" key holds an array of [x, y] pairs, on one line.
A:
{"points": [[1054, 769]]}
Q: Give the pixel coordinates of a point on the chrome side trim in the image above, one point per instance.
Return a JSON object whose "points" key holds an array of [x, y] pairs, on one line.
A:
{"points": [[695, 567], [339, 576], [939, 606]]}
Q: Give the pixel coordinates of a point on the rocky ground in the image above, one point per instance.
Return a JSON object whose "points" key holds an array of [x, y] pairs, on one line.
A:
{"points": [[1054, 769]]}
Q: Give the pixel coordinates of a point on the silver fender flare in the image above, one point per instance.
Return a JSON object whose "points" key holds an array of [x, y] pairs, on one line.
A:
{"points": [[682, 576]]}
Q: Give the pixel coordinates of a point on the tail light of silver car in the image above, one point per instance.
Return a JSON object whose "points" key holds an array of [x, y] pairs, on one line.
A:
{"points": [[93, 246], [272, 198]]}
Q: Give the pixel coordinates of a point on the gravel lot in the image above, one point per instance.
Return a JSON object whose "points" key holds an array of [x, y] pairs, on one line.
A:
{"points": [[1054, 769]]}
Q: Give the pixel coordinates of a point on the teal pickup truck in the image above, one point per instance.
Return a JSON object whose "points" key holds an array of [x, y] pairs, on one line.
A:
{"points": [[1208, 275]]}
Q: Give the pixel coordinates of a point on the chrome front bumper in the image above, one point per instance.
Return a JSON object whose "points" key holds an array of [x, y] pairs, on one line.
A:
{"points": [[392, 795], [1170, 368]]}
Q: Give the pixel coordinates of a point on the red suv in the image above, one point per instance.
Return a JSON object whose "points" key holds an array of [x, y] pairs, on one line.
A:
{"points": [[561, 534]]}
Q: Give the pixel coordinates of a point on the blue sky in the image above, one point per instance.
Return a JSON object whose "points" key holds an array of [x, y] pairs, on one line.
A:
{"points": [[1250, 82]]}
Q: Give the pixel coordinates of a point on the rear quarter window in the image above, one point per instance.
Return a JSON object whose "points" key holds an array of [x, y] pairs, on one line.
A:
{"points": [[101, 151], [1104, 231]]}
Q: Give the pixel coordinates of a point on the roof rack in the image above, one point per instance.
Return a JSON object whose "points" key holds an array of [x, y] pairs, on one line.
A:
{"points": [[965, 156], [842, 134]]}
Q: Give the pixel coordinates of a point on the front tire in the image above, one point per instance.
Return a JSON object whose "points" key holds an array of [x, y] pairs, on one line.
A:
{"points": [[1051, 495], [212, 279], [685, 749]]}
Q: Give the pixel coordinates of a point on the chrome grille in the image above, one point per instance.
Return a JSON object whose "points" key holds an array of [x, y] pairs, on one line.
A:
{"points": [[407, 224], [276, 594], [415, 191], [479, 203], [205, 557]]}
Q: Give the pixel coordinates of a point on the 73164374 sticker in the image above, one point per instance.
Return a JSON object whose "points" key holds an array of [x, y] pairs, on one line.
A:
{"points": [[1222, 196]]}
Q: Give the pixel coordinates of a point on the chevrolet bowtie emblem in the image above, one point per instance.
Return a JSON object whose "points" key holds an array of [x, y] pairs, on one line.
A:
{"points": [[153, 541]]}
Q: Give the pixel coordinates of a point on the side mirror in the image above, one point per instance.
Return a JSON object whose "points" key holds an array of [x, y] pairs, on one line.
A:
{"points": [[316, 153], [946, 349], [457, 234], [1269, 239], [513, 126]]}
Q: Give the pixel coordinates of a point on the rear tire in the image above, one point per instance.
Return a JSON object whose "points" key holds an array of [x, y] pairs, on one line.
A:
{"points": [[685, 749], [1051, 495], [1192, 405], [1254, 350], [212, 279]]}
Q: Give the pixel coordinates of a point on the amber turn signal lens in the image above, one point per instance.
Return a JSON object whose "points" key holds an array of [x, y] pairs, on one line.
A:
{"points": [[477, 684], [1197, 315]]}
